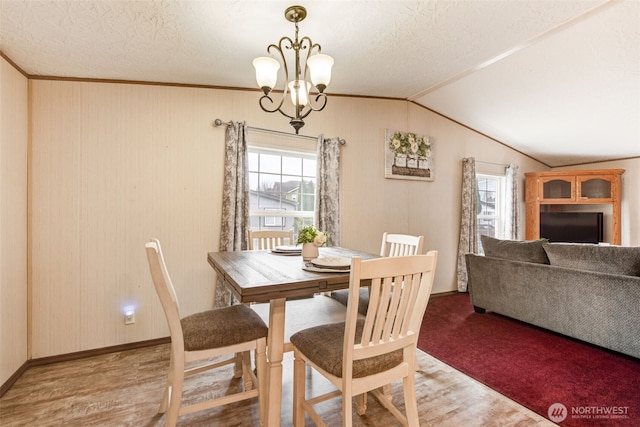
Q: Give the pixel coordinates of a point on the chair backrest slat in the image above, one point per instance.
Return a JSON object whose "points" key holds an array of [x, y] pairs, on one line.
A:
{"points": [[401, 245], [395, 311], [268, 239]]}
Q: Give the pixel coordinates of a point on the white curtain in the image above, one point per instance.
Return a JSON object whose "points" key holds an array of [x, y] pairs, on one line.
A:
{"points": [[512, 215], [328, 193], [468, 242], [235, 200]]}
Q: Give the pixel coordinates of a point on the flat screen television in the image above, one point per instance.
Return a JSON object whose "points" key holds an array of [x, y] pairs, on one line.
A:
{"points": [[576, 227]]}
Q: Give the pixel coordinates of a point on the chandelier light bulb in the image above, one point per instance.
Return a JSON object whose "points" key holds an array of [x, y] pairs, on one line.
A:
{"points": [[266, 73], [320, 70], [299, 90]]}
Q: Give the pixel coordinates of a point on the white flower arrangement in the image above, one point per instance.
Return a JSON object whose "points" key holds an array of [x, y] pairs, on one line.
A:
{"points": [[311, 235]]}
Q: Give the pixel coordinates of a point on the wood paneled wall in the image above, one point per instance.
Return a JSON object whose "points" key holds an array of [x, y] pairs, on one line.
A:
{"points": [[13, 219]]}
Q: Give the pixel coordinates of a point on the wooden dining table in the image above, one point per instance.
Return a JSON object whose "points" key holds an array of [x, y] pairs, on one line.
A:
{"points": [[263, 276]]}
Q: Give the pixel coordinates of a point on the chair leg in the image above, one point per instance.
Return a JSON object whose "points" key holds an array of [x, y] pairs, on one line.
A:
{"points": [[246, 369], [237, 372], [361, 403], [361, 399], [299, 386], [386, 392], [175, 395], [347, 411], [263, 387], [166, 394], [410, 402]]}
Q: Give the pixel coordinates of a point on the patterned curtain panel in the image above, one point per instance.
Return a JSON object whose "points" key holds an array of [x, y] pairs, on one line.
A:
{"points": [[235, 200], [512, 215], [328, 196], [468, 222]]}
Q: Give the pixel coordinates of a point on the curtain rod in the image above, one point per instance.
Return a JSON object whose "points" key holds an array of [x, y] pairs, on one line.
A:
{"points": [[218, 122], [492, 163]]}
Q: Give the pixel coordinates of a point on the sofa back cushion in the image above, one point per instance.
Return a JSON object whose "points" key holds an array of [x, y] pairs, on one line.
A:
{"points": [[515, 250], [605, 259]]}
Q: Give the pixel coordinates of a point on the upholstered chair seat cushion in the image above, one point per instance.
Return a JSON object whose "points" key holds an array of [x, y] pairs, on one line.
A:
{"points": [[222, 327], [343, 295], [323, 345]]}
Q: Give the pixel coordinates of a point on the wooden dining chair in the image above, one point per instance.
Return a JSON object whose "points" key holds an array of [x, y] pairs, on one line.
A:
{"points": [[268, 239], [401, 245], [231, 331], [392, 245], [362, 355]]}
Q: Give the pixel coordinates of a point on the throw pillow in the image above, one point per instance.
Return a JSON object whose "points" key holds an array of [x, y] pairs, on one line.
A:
{"points": [[515, 250], [605, 259]]}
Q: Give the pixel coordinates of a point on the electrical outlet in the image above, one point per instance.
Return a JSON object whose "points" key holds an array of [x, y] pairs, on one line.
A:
{"points": [[130, 318]]}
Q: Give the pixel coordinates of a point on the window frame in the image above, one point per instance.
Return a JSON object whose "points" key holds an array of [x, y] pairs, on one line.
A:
{"points": [[263, 214], [500, 204]]}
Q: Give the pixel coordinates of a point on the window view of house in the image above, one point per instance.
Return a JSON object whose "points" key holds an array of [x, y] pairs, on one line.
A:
{"points": [[282, 187], [490, 206]]}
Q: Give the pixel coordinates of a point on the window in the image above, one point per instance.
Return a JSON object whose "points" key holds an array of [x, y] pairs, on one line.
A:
{"points": [[490, 206], [282, 187]]}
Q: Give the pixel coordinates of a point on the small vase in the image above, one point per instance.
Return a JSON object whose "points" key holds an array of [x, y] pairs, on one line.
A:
{"points": [[423, 162], [309, 251], [412, 161], [400, 160]]}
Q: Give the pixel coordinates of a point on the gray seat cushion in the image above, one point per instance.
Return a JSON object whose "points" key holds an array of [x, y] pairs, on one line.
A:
{"points": [[342, 296], [323, 346], [222, 327]]}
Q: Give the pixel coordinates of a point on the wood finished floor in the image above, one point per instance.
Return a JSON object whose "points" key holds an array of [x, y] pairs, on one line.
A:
{"points": [[124, 389]]}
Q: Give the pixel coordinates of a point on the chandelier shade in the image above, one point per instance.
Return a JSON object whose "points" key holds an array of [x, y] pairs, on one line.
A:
{"points": [[309, 78], [266, 73], [320, 70]]}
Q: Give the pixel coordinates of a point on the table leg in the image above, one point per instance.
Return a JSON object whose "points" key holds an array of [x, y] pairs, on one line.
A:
{"points": [[275, 350]]}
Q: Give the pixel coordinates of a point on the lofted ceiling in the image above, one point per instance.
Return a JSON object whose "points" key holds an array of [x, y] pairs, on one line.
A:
{"points": [[558, 80]]}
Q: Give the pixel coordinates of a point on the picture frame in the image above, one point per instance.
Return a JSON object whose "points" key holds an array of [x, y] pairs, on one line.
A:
{"points": [[408, 156]]}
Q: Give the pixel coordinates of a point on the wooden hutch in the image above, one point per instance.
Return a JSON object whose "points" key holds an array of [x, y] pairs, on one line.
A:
{"points": [[555, 191]]}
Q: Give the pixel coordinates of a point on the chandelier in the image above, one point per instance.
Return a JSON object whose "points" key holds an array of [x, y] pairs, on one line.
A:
{"points": [[317, 65]]}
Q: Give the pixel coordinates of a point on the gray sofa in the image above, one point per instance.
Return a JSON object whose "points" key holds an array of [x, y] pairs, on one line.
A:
{"points": [[588, 292]]}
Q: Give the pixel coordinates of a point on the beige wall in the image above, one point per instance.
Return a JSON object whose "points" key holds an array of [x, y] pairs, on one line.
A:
{"points": [[116, 164], [13, 219]]}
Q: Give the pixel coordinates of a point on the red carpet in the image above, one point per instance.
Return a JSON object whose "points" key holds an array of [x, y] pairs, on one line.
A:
{"points": [[532, 366]]}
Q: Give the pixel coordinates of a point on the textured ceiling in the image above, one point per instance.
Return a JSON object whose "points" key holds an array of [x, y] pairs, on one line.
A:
{"points": [[557, 80]]}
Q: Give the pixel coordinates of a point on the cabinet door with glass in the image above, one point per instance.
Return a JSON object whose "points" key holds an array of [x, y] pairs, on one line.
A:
{"points": [[596, 188], [558, 189]]}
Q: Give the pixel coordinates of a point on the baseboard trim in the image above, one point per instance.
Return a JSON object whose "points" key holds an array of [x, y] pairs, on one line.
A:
{"points": [[75, 356], [96, 352], [13, 378], [444, 294]]}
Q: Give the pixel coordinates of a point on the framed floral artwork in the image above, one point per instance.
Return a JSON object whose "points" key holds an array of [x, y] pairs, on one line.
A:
{"points": [[408, 156]]}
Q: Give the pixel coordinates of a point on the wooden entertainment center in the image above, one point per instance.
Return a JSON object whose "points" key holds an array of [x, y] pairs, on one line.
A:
{"points": [[556, 191]]}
